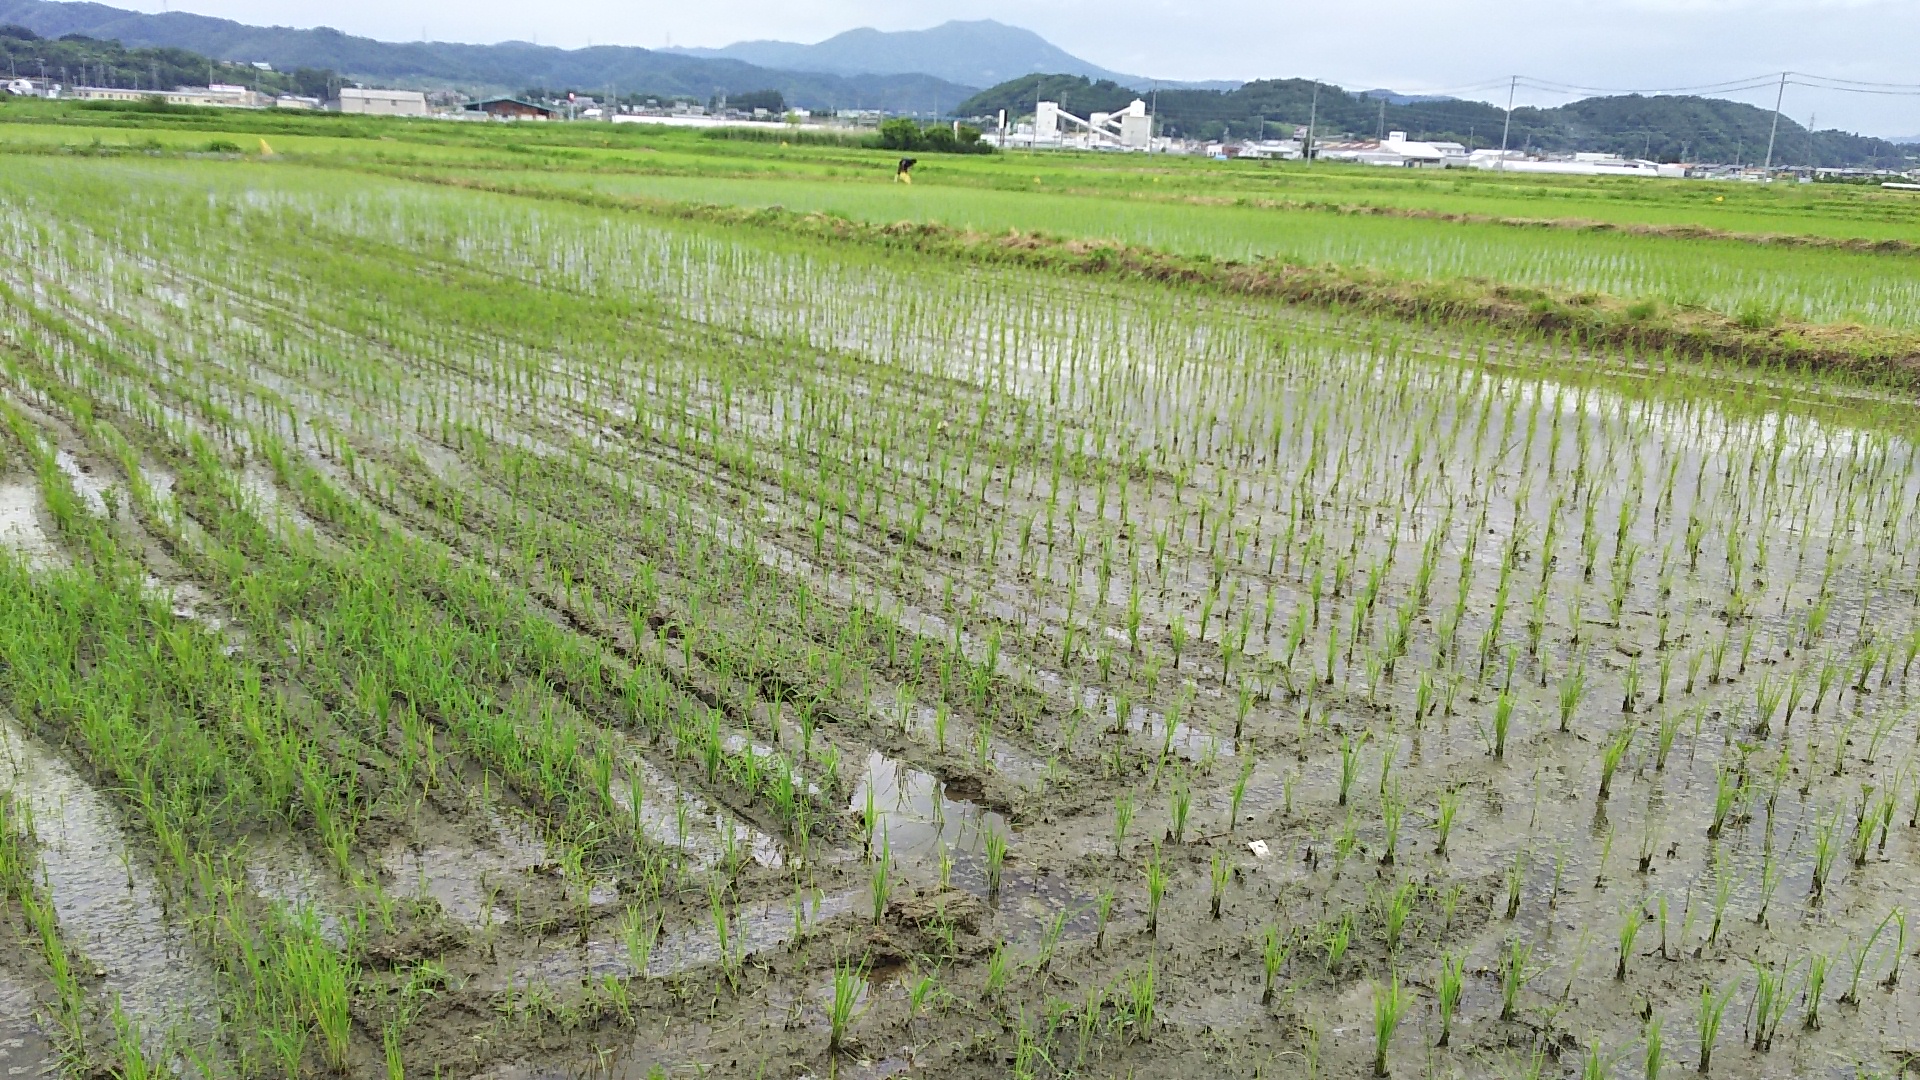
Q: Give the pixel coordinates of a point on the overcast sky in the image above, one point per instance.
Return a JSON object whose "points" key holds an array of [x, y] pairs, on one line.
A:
{"points": [[1403, 44]]}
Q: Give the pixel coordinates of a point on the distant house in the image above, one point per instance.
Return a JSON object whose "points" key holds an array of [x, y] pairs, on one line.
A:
{"points": [[511, 109], [381, 102]]}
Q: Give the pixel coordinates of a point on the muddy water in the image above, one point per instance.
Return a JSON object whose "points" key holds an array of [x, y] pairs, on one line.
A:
{"points": [[26, 1044], [276, 507], [915, 814], [669, 814], [920, 820], [280, 869], [107, 900], [21, 530], [752, 928], [92, 489], [962, 733], [472, 882], [674, 817]]}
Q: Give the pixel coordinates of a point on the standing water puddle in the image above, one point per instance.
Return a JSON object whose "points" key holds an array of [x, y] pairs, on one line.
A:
{"points": [[25, 1049], [106, 899], [464, 878], [919, 821], [915, 814], [751, 928], [91, 489], [275, 508], [281, 870], [20, 529], [674, 817]]}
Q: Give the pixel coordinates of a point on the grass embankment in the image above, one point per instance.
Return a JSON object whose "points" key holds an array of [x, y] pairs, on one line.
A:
{"points": [[1878, 355]]}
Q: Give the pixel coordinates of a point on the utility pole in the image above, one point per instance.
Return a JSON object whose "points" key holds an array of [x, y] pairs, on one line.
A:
{"points": [[1777, 100], [1313, 117], [1507, 128], [1382, 134]]}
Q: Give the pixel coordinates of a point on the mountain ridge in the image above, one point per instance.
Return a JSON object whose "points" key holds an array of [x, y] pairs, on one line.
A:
{"points": [[507, 67], [976, 52]]}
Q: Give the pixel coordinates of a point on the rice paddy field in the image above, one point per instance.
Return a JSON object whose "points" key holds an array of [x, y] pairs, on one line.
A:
{"points": [[463, 634], [1728, 276]]}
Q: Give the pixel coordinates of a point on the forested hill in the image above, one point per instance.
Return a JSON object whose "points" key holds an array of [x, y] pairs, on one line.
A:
{"points": [[1663, 128], [77, 60]]}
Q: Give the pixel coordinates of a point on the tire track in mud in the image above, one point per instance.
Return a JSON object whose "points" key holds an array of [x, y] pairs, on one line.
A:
{"points": [[27, 1045], [110, 905]]}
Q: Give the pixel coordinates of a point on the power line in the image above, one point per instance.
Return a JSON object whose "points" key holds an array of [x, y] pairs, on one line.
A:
{"points": [[1721, 86], [1765, 81], [1859, 82]]}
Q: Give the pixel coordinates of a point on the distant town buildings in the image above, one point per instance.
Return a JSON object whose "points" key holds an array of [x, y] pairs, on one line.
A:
{"points": [[218, 94], [1051, 127]]}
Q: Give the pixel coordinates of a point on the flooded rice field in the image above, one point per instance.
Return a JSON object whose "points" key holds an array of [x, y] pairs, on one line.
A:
{"points": [[572, 644]]}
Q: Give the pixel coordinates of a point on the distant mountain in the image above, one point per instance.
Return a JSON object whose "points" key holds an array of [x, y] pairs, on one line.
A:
{"points": [[977, 53], [1664, 128], [508, 67], [1906, 139]]}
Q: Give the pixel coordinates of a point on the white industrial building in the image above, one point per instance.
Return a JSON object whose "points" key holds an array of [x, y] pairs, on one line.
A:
{"points": [[1054, 128], [1574, 165], [218, 95], [365, 102], [1397, 151]]}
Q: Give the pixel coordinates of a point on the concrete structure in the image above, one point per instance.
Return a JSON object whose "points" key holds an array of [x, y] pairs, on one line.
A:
{"points": [[1129, 129], [363, 102]]}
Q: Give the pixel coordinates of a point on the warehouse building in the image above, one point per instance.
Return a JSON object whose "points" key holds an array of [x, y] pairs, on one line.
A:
{"points": [[511, 109], [363, 102]]}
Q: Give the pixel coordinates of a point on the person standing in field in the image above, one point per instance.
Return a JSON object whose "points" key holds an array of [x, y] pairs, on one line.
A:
{"points": [[903, 174]]}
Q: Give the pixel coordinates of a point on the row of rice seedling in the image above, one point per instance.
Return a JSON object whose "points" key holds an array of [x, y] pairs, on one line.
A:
{"points": [[1737, 278], [1485, 641]]}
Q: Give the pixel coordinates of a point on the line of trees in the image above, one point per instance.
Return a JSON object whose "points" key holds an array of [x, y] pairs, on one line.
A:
{"points": [[903, 134]]}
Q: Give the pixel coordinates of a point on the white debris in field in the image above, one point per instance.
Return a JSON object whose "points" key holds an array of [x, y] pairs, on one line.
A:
{"points": [[1259, 848]]}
